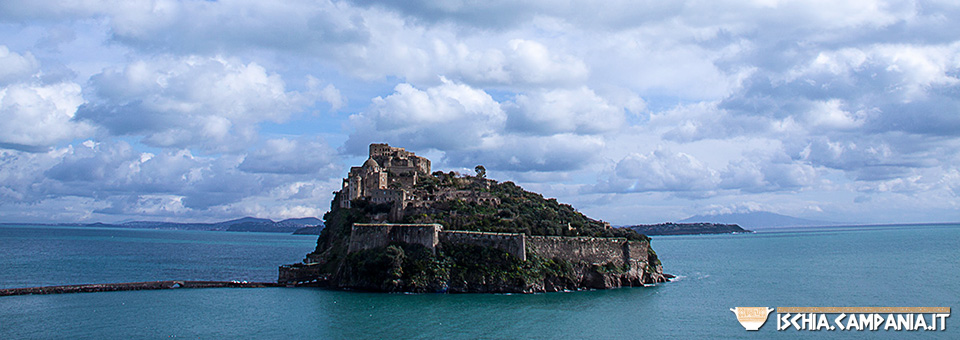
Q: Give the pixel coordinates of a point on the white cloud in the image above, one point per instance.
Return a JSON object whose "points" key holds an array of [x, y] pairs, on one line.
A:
{"points": [[331, 94], [213, 104], [558, 152], [852, 104], [661, 170], [15, 67], [545, 131], [831, 115], [578, 111], [768, 172], [533, 63], [286, 156], [115, 181], [39, 116], [450, 116], [35, 115]]}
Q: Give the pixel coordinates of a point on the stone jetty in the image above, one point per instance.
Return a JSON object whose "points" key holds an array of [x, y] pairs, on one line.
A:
{"points": [[148, 285]]}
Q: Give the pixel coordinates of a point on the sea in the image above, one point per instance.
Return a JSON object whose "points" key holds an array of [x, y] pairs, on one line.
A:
{"points": [[872, 266]]}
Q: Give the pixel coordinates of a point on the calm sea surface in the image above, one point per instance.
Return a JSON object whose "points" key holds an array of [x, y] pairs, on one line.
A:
{"points": [[868, 266]]}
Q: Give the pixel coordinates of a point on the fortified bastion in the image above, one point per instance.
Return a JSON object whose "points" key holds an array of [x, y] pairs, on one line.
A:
{"points": [[444, 220]]}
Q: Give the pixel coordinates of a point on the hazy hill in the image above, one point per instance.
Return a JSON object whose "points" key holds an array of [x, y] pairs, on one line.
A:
{"points": [[240, 224]]}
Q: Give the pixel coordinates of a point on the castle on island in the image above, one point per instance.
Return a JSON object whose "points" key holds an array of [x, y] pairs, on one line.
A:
{"points": [[385, 177], [390, 175]]}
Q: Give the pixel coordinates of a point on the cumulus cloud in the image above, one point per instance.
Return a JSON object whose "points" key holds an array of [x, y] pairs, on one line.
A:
{"points": [[450, 116], [533, 62], [719, 101], [878, 88], [559, 152], [286, 156], [36, 115], [684, 175], [660, 170], [16, 67], [370, 42], [579, 111], [768, 172], [207, 26], [875, 112], [420, 54], [115, 179], [543, 131], [213, 104]]}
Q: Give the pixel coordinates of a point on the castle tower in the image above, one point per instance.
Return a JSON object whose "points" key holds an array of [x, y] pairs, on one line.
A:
{"points": [[385, 165]]}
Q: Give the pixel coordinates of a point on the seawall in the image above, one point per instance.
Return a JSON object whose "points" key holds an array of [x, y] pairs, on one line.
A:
{"points": [[147, 285]]}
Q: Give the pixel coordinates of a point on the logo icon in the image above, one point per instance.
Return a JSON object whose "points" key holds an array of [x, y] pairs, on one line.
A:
{"points": [[752, 318]]}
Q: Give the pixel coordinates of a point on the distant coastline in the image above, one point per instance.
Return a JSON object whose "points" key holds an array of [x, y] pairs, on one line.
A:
{"points": [[298, 226], [671, 228]]}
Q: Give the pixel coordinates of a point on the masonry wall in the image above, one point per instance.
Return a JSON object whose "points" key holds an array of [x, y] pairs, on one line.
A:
{"points": [[509, 242], [638, 250], [298, 273], [366, 236], [599, 250]]}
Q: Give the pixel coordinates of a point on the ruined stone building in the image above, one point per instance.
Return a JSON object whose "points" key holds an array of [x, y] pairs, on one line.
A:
{"points": [[390, 175], [387, 176]]}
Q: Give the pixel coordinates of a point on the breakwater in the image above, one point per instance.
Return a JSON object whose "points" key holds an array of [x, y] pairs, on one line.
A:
{"points": [[147, 285]]}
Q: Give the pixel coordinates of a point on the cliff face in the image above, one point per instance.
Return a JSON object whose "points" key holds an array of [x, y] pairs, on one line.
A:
{"points": [[486, 237], [466, 268]]}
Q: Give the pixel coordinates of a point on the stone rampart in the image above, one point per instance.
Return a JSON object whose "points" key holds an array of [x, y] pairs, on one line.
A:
{"points": [[596, 250], [366, 236], [599, 250], [638, 251], [511, 243], [298, 273]]}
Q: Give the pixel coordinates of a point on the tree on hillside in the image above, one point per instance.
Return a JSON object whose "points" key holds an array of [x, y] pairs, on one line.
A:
{"points": [[481, 171]]}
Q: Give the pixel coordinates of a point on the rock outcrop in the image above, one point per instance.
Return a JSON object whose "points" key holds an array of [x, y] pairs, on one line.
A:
{"points": [[395, 227]]}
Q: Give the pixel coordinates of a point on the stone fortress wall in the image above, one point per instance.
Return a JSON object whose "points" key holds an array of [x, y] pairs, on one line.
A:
{"points": [[366, 236], [511, 243], [594, 250], [585, 249]]}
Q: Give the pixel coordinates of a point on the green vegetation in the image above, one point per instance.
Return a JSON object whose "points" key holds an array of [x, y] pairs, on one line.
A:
{"points": [[462, 203], [481, 171], [519, 211], [396, 267], [332, 243], [413, 268]]}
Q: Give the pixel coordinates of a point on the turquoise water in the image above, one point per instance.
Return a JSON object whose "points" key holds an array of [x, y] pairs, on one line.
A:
{"points": [[877, 266]]}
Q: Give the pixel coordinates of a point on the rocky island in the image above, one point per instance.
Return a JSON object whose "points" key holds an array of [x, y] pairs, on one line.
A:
{"points": [[688, 229], [395, 226]]}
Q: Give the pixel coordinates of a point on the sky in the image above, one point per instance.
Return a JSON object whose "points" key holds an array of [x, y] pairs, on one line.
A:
{"points": [[631, 111]]}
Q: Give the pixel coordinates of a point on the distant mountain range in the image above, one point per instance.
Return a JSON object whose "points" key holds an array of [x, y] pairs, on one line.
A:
{"points": [[756, 220], [308, 225]]}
